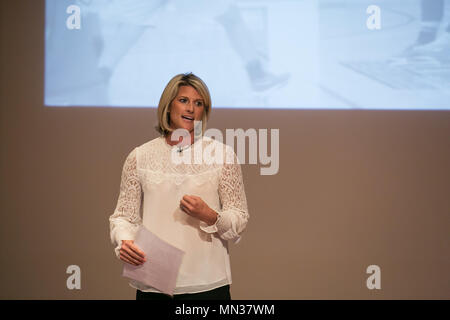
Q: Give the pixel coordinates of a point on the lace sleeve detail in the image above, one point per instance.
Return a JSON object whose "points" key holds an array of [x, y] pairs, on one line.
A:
{"points": [[234, 215], [126, 218]]}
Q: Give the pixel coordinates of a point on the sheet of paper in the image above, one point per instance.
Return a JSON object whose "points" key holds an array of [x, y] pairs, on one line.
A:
{"points": [[160, 271]]}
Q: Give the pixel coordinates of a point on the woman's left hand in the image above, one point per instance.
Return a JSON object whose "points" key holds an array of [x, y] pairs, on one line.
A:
{"points": [[197, 208]]}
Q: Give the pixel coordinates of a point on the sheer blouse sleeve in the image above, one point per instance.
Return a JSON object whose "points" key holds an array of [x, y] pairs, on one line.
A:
{"points": [[233, 216], [126, 218]]}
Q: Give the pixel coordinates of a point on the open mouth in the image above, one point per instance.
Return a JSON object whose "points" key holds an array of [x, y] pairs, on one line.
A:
{"points": [[188, 118]]}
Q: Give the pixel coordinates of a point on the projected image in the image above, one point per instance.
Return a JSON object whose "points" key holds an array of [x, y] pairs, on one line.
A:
{"points": [[253, 54], [405, 64]]}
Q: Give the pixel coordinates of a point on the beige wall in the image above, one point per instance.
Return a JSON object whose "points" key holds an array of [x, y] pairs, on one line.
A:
{"points": [[355, 188]]}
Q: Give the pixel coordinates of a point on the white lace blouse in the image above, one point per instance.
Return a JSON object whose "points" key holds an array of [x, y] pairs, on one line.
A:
{"points": [[151, 188]]}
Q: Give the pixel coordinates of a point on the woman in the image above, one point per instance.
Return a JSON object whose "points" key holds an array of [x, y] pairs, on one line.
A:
{"points": [[197, 206]]}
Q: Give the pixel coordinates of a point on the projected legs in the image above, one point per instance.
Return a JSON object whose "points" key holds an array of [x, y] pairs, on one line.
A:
{"points": [[116, 45], [429, 45], [242, 42], [123, 23], [72, 56], [432, 13]]}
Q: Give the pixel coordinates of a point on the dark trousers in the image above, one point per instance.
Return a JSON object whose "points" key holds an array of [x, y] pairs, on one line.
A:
{"points": [[221, 293]]}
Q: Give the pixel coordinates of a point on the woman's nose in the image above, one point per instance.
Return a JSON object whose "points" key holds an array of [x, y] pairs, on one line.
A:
{"points": [[190, 107]]}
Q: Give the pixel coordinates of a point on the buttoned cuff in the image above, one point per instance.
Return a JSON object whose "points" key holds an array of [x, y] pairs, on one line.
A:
{"points": [[124, 234], [211, 228], [223, 227]]}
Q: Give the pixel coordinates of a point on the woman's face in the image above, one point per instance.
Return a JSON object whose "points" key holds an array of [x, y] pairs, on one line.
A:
{"points": [[187, 106]]}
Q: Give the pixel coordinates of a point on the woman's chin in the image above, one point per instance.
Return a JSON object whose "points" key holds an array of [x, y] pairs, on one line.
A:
{"points": [[186, 126]]}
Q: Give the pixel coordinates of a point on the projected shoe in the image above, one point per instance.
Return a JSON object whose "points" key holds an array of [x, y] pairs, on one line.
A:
{"points": [[262, 80], [270, 81], [437, 52]]}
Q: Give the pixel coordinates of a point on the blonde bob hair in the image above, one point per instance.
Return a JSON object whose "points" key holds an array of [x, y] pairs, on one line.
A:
{"points": [[169, 94]]}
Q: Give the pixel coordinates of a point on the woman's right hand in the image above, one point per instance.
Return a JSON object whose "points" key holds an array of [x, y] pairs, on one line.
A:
{"points": [[131, 254]]}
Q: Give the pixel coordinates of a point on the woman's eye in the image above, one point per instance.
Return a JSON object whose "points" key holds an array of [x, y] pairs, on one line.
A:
{"points": [[199, 103], [182, 100]]}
